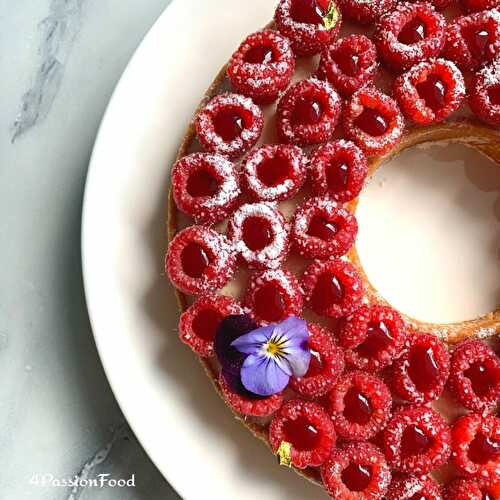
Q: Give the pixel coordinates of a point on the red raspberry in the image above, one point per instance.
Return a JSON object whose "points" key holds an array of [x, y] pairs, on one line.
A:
{"points": [[273, 295], [322, 229], [198, 323], [430, 91], [200, 260], [473, 489], [205, 186], [274, 172], [360, 406], [373, 121], [332, 287], [308, 429], [474, 39], [484, 93], [417, 440], [308, 113], [327, 363], [411, 33], [441, 4], [229, 125], [356, 471], [365, 12], [478, 5], [476, 446], [262, 67], [349, 64], [420, 374], [414, 488], [475, 376], [308, 24], [242, 401], [374, 336], [338, 169], [260, 235]]}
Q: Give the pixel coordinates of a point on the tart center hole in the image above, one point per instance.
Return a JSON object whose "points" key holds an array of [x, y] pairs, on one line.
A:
{"points": [[378, 339], [315, 365], [483, 377], [202, 183], [322, 228], [413, 31], [194, 259], [477, 39], [205, 324], [423, 368], [415, 441], [337, 175], [356, 477], [483, 449], [229, 124], [257, 233], [328, 291], [274, 171], [429, 233], [268, 303], [307, 111], [301, 434], [372, 122], [433, 91], [348, 62], [261, 54], [309, 11], [358, 408]]}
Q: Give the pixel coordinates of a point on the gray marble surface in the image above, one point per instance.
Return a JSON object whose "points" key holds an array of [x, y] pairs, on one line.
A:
{"points": [[59, 61]]}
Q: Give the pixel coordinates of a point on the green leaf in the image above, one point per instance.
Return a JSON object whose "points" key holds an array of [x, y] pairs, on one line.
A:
{"points": [[332, 16]]}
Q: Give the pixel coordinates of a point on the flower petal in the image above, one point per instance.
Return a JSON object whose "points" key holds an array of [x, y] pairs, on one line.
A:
{"points": [[262, 375], [298, 359], [295, 330], [252, 342]]}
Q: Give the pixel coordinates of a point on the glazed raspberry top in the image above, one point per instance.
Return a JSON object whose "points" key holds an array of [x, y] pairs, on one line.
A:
{"points": [[229, 125], [413, 488]]}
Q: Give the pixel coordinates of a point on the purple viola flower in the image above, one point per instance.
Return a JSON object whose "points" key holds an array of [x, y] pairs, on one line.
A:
{"points": [[274, 354]]}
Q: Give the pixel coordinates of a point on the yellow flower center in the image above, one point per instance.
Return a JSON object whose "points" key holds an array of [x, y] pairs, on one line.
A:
{"points": [[273, 348]]}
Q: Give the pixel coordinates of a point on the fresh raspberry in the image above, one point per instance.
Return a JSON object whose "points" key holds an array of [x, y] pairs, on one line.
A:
{"points": [[229, 125], [356, 471], [200, 260], [473, 489], [478, 5], [474, 39], [475, 376], [327, 363], [205, 186], [364, 12], [420, 374], [332, 287], [338, 169], [476, 446], [308, 429], [308, 24], [273, 295], [349, 64], [417, 440], [411, 33], [260, 235], [373, 121], [274, 172], [430, 91], [262, 67], [360, 406], [441, 4], [484, 93], [308, 113], [198, 324], [245, 402], [414, 488], [373, 337]]}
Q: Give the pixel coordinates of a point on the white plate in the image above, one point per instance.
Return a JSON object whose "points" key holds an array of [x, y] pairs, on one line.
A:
{"points": [[183, 425]]}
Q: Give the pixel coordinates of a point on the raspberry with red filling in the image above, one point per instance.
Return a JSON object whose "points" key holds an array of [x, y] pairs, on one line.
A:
{"points": [[308, 112], [199, 323], [322, 229], [430, 91], [260, 235], [308, 429], [478, 5], [409, 34], [476, 446], [484, 93], [357, 471], [325, 367], [308, 24], [205, 186], [273, 295], [364, 12], [262, 67], [274, 172], [338, 170], [420, 374], [200, 260], [417, 440], [473, 489], [475, 376], [229, 125], [373, 121], [349, 64], [474, 39], [373, 337], [332, 287], [414, 488], [360, 406]]}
